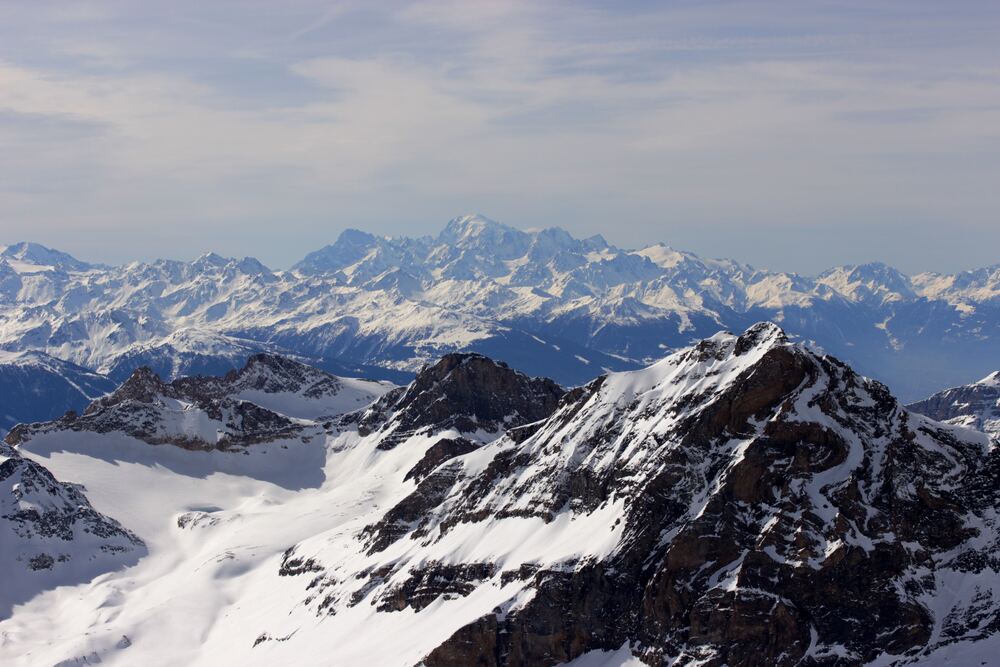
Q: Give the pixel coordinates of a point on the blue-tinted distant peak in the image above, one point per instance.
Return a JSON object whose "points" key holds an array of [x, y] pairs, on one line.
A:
{"points": [[38, 255], [473, 226]]}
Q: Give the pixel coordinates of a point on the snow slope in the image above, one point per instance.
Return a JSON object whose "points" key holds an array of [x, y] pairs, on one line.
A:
{"points": [[50, 535]]}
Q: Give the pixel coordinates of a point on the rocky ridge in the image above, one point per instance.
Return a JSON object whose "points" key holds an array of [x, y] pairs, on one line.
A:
{"points": [[466, 392], [230, 412], [975, 405]]}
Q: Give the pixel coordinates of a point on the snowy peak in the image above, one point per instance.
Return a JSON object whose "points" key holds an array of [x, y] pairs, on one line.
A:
{"points": [[350, 247], [705, 370], [28, 257], [991, 380], [251, 266], [763, 335], [866, 282], [475, 230], [663, 255], [473, 247], [213, 264], [210, 259]]}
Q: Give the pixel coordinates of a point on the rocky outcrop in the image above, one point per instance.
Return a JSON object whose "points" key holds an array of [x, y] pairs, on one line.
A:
{"points": [[271, 374], [50, 529], [464, 392], [441, 451], [467, 393], [411, 515], [433, 581]]}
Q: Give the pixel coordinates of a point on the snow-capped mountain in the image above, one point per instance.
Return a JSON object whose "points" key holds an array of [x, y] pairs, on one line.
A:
{"points": [[33, 257], [37, 387], [743, 501], [271, 398], [543, 301], [975, 405]]}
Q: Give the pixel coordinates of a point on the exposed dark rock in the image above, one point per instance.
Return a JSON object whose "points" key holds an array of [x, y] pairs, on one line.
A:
{"points": [[48, 525], [434, 580], [441, 451], [466, 392], [411, 512]]}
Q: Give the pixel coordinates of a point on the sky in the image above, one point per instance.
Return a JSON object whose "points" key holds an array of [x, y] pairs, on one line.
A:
{"points": [[790, 135]]}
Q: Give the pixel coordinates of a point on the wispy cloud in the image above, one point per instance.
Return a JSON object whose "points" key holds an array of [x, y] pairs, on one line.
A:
{"points": [[265, 129]]}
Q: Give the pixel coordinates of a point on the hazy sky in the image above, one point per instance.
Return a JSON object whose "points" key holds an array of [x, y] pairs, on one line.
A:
{"points": [[791, 135]]}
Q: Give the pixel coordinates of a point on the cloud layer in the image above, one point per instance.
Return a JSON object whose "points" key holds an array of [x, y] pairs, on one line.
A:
{"points": [[792, 135]]}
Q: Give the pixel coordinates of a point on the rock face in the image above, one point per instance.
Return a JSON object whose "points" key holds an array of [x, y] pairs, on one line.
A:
{"points": [[50, 533], [975, 405], [742, 502], [270, 398], [464, 392]]}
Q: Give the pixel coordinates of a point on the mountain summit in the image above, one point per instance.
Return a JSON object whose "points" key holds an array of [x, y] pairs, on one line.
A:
{"points": [[467, 392]]}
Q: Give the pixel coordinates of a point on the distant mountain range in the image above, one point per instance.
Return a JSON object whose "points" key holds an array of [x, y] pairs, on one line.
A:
{"points": [[37, 387], [543, 301]]}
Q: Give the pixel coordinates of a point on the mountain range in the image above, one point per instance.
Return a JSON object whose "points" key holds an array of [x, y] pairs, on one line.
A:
{"points": [[542, 301], [745, 500]]}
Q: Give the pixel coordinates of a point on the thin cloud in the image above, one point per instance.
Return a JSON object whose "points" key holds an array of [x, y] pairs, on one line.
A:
{"points": [[694, 124]]}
